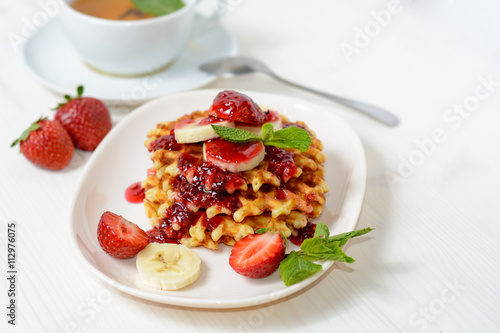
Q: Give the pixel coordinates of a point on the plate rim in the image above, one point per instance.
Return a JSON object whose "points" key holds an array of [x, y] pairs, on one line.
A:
{"points": [[207, 303]]}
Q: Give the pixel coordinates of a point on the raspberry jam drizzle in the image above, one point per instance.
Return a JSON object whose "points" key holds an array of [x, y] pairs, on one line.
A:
{"points": [[199, 121], [270, 117], [202, 185], [225, 151], [281, 163], [235, 106], [165, 142], [135, 193], [158, 236], [303, 234]]}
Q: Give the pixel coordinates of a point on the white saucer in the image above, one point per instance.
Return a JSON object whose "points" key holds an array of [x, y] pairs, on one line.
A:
{"points": [[54, 63]]}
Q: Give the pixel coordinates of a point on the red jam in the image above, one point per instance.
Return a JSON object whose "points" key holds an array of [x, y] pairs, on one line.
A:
{"points": [[281, 194], [135, 193], [303, 234], [270, 117], [212, 223], [151, 172], [230, 152], [158, 236], [281, 163], [196, 194], [208, 185], [199, 121], [234, 106], [165, 142]]}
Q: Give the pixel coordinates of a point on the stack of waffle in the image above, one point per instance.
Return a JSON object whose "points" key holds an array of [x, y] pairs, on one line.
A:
{"points": [[260, 198]]}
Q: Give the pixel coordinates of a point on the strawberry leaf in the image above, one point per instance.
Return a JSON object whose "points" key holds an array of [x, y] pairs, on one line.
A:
{"points": [[79, 92], [26, 133]]}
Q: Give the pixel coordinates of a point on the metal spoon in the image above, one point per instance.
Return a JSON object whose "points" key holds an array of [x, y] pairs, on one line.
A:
{"points": [[235, 66]]}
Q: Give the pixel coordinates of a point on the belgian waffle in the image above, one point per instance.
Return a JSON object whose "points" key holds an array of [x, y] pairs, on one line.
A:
{"points": [[222, 207]]}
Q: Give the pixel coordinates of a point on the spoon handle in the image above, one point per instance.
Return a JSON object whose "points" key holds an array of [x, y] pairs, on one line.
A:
{"points": [[370, 110]]}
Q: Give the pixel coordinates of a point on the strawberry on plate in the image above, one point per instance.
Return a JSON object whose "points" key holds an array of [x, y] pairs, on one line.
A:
{"points": [[86, 119], [257, 255], [235, 106], [46, 144], [120, 238]]}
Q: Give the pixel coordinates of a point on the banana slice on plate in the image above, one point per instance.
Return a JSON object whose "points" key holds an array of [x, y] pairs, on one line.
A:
{"points": [[168, 266]]}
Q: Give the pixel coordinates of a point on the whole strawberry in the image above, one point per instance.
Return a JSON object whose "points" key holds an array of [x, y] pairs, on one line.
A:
{"points": [[47, 144], [86, 119]]}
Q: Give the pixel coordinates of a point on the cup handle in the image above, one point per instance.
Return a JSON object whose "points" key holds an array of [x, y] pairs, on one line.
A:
{"points": [[202, 23]]}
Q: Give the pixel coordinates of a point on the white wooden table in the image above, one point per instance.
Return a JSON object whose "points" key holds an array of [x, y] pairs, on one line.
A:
{"points": [[433, 187]]}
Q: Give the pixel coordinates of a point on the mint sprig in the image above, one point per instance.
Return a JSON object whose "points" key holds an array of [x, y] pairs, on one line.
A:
{"points": [[299, 265], [158, 7], [290, 137]]}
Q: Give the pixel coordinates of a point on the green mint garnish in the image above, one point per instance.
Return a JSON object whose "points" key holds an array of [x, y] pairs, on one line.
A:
{"points": [[294, 269], [298, 265], [158, 7], [290, 137]]}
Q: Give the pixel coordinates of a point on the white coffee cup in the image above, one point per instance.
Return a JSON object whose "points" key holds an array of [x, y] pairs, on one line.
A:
{"points": [[132, 47]]}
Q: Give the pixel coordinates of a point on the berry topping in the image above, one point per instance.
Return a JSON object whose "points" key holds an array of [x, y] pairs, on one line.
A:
{"points": [[135, 193], [303, 234], [234, 106], [234, 157]]}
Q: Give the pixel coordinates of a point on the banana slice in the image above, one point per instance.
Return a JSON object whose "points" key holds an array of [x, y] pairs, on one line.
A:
{"points": [[234, 157], [197, 130], [167, 266], [272, 117]]}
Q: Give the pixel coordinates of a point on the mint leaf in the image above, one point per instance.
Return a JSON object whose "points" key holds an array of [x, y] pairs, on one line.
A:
{"points": [[329, 248], [235, 134], [267, 132], [290, 137], [298, 266], [315, 246], [158, 7], [261, 231], [321, 231], [334, 253], [343, 238], [294, 269]]}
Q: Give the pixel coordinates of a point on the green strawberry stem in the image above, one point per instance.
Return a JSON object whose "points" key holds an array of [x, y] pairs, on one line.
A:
{"points": [[24, 136], [79, 92]]}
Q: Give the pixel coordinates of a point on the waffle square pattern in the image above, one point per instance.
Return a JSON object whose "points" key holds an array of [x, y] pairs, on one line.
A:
{"points": [[196, 203]]}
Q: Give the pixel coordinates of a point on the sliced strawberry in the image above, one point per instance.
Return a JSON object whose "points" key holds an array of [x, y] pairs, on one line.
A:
{"points": [[257, 255], [234, 106], [120, 238], [46, 144], [86, 119]]}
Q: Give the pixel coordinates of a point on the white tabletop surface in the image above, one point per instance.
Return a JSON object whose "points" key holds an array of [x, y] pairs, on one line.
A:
{"points": [[433, 184]]}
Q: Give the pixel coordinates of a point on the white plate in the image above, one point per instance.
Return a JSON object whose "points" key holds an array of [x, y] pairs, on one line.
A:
{"points": [[122, 159], [54, 63]]}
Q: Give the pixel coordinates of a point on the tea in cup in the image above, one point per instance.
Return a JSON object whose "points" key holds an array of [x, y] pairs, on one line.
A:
{"points": [[115, 37]]}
